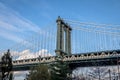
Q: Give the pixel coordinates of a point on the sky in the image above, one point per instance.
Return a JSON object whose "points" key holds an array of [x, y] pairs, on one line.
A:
{"points": [[18, 18], [21, 18]]}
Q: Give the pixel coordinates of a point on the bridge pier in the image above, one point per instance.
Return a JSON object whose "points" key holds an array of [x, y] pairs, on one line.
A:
{"points": [[68, 40], [63, 45]]}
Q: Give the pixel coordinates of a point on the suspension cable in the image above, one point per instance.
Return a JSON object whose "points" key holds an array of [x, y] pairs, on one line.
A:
{"points": [[97, 31]]}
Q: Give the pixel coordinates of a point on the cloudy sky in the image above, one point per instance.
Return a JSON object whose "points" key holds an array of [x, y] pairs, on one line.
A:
{"points": [[21, 18]]}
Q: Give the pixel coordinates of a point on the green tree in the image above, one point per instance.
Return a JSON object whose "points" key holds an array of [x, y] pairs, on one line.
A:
{"points": [[41, 72], [59, 70]]}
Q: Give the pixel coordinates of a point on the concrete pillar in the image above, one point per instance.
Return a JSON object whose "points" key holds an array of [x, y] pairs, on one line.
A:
{"points": [[69, 41], [66, 40], [62, 40], [63, 45], [60, 37], [58, 34]]}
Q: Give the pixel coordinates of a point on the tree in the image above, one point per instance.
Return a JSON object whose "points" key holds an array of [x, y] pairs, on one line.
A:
{"points": [[78, 75], [60, 70], [98, 73], [54, 71], [6, 66], [41, 72]]}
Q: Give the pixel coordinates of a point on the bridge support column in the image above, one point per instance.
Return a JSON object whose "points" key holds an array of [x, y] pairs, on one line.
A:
{"points": [[68, 40], [62, 41], [63, 46], [60, 38]]}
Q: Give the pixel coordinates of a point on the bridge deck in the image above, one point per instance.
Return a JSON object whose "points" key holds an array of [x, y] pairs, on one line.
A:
{"points": [[103, 58]]}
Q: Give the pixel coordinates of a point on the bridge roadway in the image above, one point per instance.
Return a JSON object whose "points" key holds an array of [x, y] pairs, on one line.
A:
{"points": [[103, 58]]}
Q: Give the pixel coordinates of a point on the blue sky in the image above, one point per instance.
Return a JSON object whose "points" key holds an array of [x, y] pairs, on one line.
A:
{"points": [[21, 18], [42, 12]]}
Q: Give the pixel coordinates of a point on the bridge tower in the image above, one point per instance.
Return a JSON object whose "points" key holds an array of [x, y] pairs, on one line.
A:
{"points": [[63, 45]]}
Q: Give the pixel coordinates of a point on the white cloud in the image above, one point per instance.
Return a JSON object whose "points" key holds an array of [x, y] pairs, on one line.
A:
{"points": [[12, 24], [43, 53], [27, 54]]}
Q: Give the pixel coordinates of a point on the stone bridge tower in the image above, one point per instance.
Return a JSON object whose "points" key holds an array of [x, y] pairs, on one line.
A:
{"points": [[63, 45]]}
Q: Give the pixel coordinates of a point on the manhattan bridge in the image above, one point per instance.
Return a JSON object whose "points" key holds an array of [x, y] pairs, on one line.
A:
{"points": [[81, 44]]}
